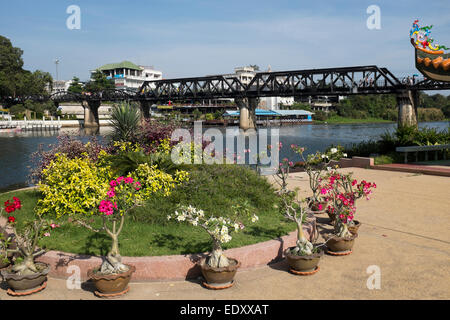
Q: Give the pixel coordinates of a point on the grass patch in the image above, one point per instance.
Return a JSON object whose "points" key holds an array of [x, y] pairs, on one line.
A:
{"points": [[383, 159], [213, 188]]}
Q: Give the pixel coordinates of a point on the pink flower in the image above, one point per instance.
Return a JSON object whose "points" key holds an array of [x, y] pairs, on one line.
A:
{"points": [[106, 207], [47, 234], [111, 193], [323, 191], [53, 226], [120, 179], [128, 180], [113, 183], [320, 207]]}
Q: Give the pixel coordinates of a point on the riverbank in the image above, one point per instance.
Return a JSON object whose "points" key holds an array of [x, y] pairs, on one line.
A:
{"points": [[344, 120]]}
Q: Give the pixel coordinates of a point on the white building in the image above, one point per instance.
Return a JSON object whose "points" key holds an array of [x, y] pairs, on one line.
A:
{"points": [[274, 103], [61, 85], [127, 75]]}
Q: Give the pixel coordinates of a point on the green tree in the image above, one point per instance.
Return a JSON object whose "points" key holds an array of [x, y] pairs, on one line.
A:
{"points": [[99, 82], [11, 64], [75, 86], [14, 80]]}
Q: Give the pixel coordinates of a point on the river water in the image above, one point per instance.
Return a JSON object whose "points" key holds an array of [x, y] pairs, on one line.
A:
{"points": [[17, 147]]}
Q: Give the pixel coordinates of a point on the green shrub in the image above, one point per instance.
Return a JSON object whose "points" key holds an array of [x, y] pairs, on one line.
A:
{"points": [[73, 186]]}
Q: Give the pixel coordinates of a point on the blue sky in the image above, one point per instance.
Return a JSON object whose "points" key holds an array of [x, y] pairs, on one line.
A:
{"points": [[200, 37]]}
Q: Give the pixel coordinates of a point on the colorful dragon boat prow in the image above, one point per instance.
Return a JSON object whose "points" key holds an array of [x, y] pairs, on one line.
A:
{"points": [[431, 59]]}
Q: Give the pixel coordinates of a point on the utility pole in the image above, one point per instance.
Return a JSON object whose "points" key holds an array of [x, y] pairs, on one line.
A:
{"points": [[56, 64]]}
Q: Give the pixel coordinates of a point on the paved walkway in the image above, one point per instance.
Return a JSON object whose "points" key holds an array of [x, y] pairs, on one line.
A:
{"points": [[404, 232], [438, 168]]}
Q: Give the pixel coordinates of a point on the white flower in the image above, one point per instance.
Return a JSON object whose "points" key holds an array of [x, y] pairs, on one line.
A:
{"points": [[169, 217], [333, 150], [181, 218], [344, 155], [323, 156], [255, 218]]}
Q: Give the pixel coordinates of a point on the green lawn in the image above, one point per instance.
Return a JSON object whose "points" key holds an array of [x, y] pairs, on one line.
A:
{"points": [[147, 231]]}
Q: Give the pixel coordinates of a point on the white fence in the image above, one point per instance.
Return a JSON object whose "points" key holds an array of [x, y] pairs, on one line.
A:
{"points": [[31, 125]]}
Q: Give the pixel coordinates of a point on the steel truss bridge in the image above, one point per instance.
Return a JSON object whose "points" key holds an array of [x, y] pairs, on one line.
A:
{"points": [[298, 83]]}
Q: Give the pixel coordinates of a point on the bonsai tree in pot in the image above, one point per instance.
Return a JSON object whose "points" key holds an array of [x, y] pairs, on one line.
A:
{"points": [[112, 277], [26, 276], [304, 257], [344, 191], [217, 269], [316, 165]]}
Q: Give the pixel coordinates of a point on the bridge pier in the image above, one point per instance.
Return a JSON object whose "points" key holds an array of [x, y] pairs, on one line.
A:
{"points": [[145, 109], [407, 101], [247, 117], [91, 118]]}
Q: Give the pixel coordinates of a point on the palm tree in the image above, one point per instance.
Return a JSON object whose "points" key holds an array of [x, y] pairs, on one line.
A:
{"points": [[125, 119]]}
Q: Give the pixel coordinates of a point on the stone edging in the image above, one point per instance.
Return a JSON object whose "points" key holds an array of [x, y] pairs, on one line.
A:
{"points": [[175, 267]]}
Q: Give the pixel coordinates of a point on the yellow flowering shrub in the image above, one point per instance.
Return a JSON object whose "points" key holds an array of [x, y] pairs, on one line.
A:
{"points": [[154, 180], [128, 146], [73, 186]]}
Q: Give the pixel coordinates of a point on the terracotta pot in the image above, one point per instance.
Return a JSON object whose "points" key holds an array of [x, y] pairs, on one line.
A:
{"points": [[219, 276], [111, 283], [26, 282], [354, 228], [338, 244], [303, 263]]}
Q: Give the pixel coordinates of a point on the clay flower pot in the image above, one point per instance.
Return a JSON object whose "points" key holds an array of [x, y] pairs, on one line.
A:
{"points": [[354, 228], [219, 278], [111, 284], [304, 265], [340, 245], [26, 283]]}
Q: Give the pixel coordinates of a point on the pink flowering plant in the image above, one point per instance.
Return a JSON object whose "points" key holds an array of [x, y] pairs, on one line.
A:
{"points": [[23, 238], [121, 197], [343, 192], [316, 165]]}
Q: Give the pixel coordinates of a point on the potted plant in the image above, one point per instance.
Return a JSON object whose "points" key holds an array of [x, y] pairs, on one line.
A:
{"points": [[112, 277], [344, 192], [304, 257], [217, 269], [26, 276], [316, 165]]}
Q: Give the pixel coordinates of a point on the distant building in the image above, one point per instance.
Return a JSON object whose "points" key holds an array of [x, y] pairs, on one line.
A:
{"points": [[61, 85], [127, 75], [274, 103], [244, 74]]}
